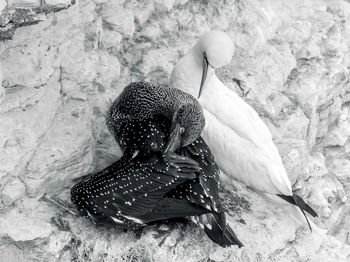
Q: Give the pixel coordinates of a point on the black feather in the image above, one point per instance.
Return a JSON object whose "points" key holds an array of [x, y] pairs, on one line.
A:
{"points": [[299, 202], [220, 232], [204, 191], [144, 186], [131, 188], [168, 208], [142, 134]]}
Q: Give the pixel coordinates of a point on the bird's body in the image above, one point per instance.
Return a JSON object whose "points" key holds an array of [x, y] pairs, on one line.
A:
{"points": [[129, 193], [143, 104], [244, 139], [144, 185], [240, 141]]}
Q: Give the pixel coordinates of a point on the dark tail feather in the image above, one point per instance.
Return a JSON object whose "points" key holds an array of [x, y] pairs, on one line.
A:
{"points": [[168, 208], [220, 232], [305, 206], [301, 203], [298, 201]]}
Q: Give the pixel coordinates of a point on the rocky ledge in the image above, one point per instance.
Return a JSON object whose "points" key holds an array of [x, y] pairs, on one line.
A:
{"points": [[62, 62]]}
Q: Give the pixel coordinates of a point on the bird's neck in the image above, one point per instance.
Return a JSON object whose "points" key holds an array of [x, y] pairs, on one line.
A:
{"points": [[187, 73]]}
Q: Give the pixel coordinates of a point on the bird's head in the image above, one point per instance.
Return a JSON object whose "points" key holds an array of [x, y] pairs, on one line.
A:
{"points": [[187, 125], [216, 50]]}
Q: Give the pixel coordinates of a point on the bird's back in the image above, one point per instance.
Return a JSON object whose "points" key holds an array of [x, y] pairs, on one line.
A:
{"points": [[241, 141]]}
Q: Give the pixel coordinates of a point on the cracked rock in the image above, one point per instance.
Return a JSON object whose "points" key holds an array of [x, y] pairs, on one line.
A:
{"points": [[64, 62], [22, 224], [12, 191]]}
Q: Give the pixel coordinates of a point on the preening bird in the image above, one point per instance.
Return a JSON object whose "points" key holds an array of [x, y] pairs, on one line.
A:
{"points": [[239, 140], [166, 171]]}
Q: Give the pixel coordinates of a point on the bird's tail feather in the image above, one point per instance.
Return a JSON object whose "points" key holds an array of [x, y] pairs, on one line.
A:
{"points": [[292, 209], [299, 202], [215, 227], [302, 211], [169, 208]]}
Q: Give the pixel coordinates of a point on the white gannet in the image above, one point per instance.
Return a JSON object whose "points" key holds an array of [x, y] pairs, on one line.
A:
{"points": [[240, 141]]}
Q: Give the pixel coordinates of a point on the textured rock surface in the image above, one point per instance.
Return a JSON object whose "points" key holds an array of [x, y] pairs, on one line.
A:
{"points": [[62, 62]]}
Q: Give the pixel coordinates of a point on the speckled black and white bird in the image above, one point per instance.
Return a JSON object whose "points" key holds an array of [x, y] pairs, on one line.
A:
{"points": [[141, 116], [167, 170]]}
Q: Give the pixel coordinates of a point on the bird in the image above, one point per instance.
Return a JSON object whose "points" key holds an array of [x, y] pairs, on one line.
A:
{"points": [[238, 138], [166, 171], [144, 112]]}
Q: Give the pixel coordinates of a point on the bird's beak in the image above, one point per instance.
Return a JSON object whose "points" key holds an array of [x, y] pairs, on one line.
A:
{"points": [[207, 73], [175, 139]]}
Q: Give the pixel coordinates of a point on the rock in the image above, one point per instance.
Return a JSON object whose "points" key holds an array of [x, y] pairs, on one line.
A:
{"points": [[93, 35], [12, 253], [107, 151], [62, 70], [57, 242], [58, 3], [58, 160], [111, 39], [340, 167], [24, 3], [12, 191], [107, 69], [325, 193], [3, 5], [118, 19], [141, 10], [23, 124], [157, 70], [35, 71], [340, 133], [31, 220], [2, 90], [165, 5]]}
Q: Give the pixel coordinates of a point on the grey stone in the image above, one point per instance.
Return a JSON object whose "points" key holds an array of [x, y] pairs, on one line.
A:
{"points": [[62, 70], [12, 191]]}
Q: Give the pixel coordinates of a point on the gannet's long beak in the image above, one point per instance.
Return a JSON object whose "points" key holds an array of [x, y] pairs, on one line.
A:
{"points": [[175, 139], [207, 73]]}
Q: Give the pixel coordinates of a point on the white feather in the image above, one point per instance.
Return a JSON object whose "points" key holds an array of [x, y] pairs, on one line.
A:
{"points": [[118, 221], [133, 219], [239, 140]]}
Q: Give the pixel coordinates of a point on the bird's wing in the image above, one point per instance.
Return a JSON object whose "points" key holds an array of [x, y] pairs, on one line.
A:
{"points": [[240, 158], [132, 187], [204, 189], [235, 113], [168, 208]]}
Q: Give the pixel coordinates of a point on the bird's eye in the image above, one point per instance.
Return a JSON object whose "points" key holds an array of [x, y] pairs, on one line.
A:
{"points": [[182, 130]]}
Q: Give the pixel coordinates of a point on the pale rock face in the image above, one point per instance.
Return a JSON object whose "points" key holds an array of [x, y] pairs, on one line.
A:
{"points": [[167, 4], [3, 5], [2, 90], [24, 3], [58, 3], [111, 39], [12, 191], [61, 68], [22, 224], [117, 18]]}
